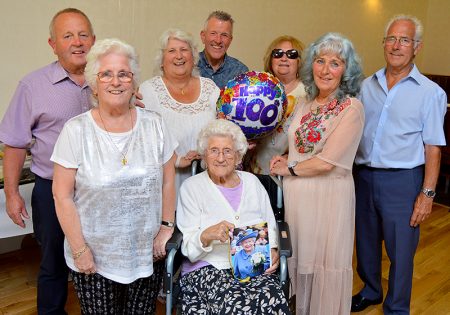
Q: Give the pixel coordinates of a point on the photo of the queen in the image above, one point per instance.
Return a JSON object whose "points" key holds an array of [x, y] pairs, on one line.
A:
{"points": [[250, 254]]}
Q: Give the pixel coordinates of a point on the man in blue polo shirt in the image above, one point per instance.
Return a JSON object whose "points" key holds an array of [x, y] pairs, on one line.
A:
{"points": [[397, 166], [214, 62]]}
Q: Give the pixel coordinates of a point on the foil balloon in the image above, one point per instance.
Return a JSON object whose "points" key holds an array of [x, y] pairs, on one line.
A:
{"points": [[255, 101]]}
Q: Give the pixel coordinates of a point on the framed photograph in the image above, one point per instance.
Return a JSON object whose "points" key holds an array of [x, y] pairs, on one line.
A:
{"points": [[249, 251]]}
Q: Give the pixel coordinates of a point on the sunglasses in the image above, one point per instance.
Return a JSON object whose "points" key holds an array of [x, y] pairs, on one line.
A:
{"points": [[291, 53]]}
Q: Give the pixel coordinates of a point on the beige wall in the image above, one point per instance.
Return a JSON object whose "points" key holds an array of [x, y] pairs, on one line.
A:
{"points": [[140, 22], [436, 51]]}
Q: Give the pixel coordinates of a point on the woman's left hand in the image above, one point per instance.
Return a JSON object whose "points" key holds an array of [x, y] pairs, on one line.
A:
{"points": [[278, 166], [159, 242], [275, 261], [186, 160]]}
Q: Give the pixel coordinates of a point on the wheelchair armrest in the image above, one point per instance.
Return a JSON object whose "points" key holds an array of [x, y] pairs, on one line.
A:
{"points": [[285, 246], [196, 167], [172, 246], [285, 251], [175, 240]]}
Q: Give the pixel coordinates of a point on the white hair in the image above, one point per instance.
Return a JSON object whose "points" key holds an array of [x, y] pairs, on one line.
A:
{"points": [[418, 32], [105, 47], [222, 128], [174, 33]]}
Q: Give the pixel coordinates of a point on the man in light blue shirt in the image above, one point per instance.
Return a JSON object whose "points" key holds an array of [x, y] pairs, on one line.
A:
{"points": [[214, 63], [397, 166]]}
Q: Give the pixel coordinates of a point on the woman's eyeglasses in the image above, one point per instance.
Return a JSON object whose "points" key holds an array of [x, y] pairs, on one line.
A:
{"points": [[108, 76], [291, 53], [227, 153]]}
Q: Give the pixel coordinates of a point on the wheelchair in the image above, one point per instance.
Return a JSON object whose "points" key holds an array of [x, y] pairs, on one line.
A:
{"points": [[174, 244]]}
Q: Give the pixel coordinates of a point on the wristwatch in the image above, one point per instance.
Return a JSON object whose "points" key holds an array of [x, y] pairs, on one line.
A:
{"points": [[291, 166], [430, 193], [168, 223]]}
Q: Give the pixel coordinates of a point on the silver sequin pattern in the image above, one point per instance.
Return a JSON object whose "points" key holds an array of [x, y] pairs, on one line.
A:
{"points": [[120, 205]]}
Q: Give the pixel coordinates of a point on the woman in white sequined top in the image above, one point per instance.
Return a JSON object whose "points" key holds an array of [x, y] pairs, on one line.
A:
{"points": [[114, 189], [186, 101]]}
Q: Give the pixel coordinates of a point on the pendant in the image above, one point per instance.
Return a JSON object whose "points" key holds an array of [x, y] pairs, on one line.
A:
{"points": [[182, 91], [124, 161]]}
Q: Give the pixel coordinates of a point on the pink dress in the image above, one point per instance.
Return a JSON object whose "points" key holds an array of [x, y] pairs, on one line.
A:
{"points": [[321, 209]]}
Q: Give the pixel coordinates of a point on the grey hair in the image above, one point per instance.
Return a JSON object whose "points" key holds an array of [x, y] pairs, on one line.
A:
{"points": [[51, 27], [105, 47], [222, 128], [221, 16], [341, 46], [174, 33], [418, 32]]}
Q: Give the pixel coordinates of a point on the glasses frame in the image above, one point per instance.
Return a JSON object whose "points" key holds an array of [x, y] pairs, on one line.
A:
{"points": [[215, 153], [403, 41], [290, 53], [127, 78]]}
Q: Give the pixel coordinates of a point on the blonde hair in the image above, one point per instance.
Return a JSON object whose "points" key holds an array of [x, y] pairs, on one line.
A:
{"points": [[296, 44]]}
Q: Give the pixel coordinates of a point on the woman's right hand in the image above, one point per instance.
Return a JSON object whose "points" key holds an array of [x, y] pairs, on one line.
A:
{"points": [[275, 261], [218, 232], [85, 263], [252, 144], [278, 165]]}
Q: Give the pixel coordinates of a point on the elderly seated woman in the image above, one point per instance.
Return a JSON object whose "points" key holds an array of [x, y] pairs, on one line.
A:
{"points": [[210, 204]]}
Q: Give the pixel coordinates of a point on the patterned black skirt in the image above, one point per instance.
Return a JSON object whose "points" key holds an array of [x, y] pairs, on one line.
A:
{"points": [[212, 291]]}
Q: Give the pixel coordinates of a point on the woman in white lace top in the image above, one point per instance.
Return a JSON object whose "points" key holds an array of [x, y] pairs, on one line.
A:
{"points": [[186, 101]]}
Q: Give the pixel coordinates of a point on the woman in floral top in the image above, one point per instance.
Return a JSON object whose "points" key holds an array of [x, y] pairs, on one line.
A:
{"points": [[318, 183]]}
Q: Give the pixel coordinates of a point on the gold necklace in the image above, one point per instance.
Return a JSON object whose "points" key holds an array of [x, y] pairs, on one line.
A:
{"points": [[124, 154], [181, 88]]}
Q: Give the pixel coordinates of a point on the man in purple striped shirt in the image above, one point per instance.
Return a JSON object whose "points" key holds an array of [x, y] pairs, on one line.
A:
{"points": [[44, 100]]}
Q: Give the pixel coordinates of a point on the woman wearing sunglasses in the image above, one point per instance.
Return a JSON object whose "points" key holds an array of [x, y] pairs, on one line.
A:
{"points": [[282, 59], [319, 193]]}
